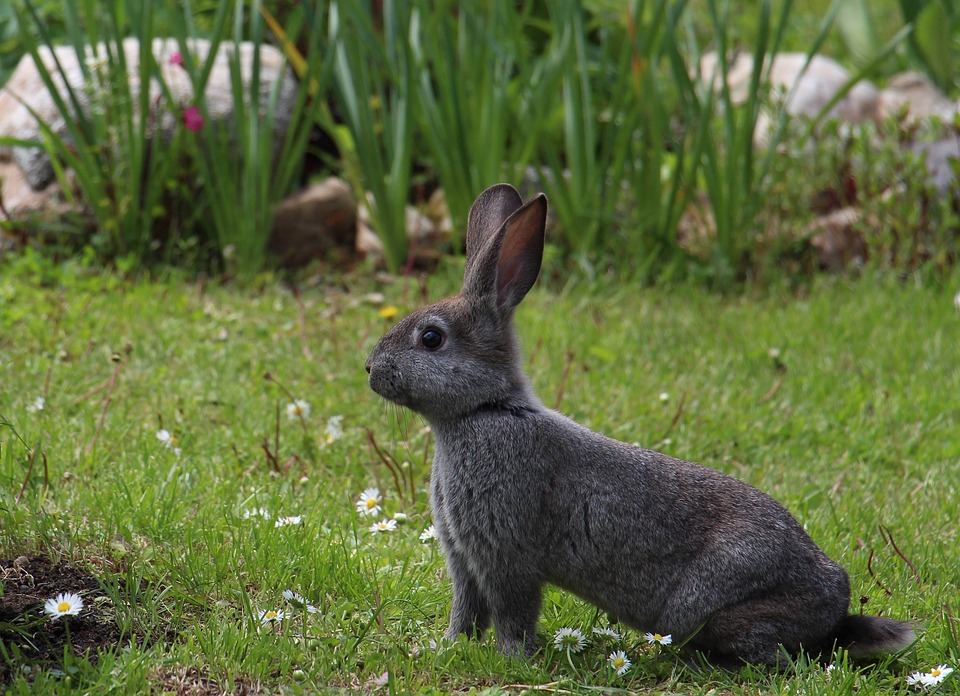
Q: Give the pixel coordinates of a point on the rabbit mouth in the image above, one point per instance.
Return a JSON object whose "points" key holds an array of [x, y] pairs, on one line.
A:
{"points": [[386, 384]]}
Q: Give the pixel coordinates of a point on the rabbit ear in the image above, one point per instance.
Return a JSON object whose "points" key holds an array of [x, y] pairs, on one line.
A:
{"points": [[488, 213], [509, 262]]}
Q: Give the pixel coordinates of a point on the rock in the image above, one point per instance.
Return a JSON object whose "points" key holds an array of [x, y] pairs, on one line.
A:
{"points": [[439, 212], [937, 158], [424, 237], [20, 199], [25, 90], [314, 222], [836, 240], [914, 94], [807, 91]]}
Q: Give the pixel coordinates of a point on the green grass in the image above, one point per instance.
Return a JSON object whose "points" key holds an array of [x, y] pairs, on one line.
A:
{"points": [[853, 427]]}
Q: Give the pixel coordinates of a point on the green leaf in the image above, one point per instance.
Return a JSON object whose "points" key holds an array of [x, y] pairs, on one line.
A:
{"points": [[933, 38]]}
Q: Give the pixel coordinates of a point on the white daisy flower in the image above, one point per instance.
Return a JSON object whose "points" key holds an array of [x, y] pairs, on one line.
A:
{"points": [[64, 604], [399, 517], [268, 616], [289, 519], [664, 396], [293, 597], [169, 440], [334, 430], [619, 661], [932, 678], [299, 601], [606, 632], [569, 639], [37, 405], [657, 638], [298, 409], [428, 534], [369, 503], [383, 526], [257, 512]]}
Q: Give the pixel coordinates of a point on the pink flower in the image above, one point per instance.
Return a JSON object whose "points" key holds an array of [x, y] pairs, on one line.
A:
{"points": [[176, 59], [193, 119]]}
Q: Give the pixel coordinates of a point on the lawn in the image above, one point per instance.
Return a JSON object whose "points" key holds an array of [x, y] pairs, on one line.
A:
{"points": [[839, 399]]}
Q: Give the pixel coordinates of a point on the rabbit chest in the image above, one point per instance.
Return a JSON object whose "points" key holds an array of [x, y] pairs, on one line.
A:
{"points": [[486, 504]]}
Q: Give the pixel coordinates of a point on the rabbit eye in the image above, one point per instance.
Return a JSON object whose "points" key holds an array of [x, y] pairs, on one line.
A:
{"points": [[431, 339]]}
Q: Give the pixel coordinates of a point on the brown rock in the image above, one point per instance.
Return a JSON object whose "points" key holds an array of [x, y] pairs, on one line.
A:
{"points": [[314, 222], [836, 240]]}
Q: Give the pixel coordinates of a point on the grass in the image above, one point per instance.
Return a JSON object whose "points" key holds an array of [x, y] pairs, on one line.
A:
{"points": [[840, 401]]}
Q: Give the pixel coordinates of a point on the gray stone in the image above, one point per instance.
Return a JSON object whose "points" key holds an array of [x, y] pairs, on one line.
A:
{"points": [[913, 94], [26, 91], [940, 158]]}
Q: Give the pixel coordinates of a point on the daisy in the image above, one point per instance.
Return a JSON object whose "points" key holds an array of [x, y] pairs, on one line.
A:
{"points": [[664, 396], [169, 440], [931, 678], [383, 526], [428, 534], [268, 616], [606, 632], [299, 601], [65, 604], [298, 409], [569, 639], [37, 405], [657, 638], [619, 661], [257, 512], [334, 429], [369, 503], [400, 516], [290, 519]]}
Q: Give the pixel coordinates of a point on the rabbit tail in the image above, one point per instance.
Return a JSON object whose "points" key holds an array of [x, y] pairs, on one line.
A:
{"points": [[869, 636]]}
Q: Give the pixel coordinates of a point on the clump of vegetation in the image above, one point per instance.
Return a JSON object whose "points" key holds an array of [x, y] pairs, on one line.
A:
{"points": [[598, 105]]}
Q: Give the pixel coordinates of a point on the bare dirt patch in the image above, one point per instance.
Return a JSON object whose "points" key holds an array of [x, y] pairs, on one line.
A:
{"points": [[27, 637]]}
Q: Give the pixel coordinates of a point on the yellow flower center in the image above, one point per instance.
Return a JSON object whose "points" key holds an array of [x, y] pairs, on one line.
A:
{"points": [[618, 662], [657, 637], [63, 606], [371, 503], [388, 312], [270, 615], [935, 672]]}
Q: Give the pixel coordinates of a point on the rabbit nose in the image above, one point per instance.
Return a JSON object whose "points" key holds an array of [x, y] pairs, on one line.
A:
{"points": [[367, 366]]}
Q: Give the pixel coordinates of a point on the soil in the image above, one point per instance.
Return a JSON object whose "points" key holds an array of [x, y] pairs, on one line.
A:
{"points": [[27, 638]]}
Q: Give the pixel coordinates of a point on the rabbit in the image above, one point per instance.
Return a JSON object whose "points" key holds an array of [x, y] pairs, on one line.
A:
{"points": [[522, 496]]}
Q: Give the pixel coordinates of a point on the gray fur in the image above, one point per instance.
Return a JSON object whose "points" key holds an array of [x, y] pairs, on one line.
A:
{"points": [[523, 496]]}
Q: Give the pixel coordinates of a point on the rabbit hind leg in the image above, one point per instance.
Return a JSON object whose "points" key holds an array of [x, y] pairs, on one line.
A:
{"points": [[762, 632]]}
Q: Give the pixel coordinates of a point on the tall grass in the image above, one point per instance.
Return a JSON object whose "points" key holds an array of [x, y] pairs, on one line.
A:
{"points": [[374, 84], [602, 101], [244, 174], [148, 192], [127, 179], [472, 63]]}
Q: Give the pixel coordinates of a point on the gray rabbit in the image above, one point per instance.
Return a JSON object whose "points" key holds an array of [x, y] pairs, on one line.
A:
{"points": [[523, 496]]}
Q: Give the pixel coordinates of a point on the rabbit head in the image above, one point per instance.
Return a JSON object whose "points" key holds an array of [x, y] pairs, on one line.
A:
{"points": [[460, 354]]}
